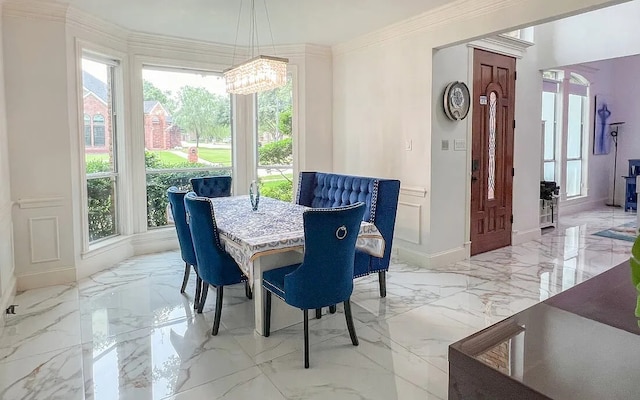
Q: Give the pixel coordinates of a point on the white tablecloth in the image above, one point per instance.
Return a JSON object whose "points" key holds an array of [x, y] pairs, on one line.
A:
{"points": [[276, 227]]}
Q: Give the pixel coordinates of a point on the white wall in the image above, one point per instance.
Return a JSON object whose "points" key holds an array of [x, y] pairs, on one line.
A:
{"points": [[383, 98], [450, 64], [600, 168], [7, 279], [39, 144], [608, 33], [626, 86]]}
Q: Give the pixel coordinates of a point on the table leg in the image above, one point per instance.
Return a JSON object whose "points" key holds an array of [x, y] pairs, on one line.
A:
{"points": [[282, 314]]}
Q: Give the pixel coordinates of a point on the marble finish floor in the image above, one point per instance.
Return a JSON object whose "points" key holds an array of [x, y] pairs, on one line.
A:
{"points": [[127, 333]]}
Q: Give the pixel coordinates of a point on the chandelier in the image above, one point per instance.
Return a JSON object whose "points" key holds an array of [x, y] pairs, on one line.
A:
{"points": [[259, 73]]}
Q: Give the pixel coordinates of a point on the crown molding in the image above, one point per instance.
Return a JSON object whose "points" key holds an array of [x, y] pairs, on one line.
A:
{"points": [[83, 20], [142, 42], [36, 9], [448, 14], [502, 44], [302, 50], [147, 41]]}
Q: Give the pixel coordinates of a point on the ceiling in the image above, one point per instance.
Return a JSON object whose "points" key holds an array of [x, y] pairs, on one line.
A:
{"points": [[325, 22]]}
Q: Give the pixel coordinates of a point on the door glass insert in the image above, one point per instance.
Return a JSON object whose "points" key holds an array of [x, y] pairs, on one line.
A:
{"points": [[491, 191]]}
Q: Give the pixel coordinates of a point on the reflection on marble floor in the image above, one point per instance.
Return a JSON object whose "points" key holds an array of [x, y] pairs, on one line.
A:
{"points": [[127, 333]]}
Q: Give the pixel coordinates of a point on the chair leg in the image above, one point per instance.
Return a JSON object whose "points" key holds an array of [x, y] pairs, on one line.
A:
{"points": [[196, 300], [382, 277], [203, 296], [267, 312], [332, 309], [247, 290], [318, 313], [306, 338], [216, 319], [185, 280], [349, 318]]}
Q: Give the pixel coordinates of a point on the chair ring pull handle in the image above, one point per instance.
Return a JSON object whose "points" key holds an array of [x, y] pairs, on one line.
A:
{"points": [[341, 232]]}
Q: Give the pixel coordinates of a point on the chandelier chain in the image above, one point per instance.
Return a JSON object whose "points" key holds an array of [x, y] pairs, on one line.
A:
{"points": [[255, 43], [235, 44], [266, 10]]}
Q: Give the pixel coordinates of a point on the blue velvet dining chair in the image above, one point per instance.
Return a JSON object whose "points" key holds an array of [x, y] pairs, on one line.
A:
{"points": [[325, 276], [176, 200], [215, 266], [212, 186]]}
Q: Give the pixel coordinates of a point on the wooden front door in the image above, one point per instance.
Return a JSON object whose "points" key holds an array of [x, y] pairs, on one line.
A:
{"points": [[492, 150]]}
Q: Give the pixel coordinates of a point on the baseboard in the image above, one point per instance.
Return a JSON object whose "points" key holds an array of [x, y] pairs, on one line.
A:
{"points": [[155, 241], [519, 237], [104, 257], [579, 205], [58, 276], [7, 299], [433, 260]]}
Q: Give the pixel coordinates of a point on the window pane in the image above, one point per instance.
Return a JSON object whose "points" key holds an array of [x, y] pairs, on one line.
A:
{"points": [[574, 134], [102, 207], [99, 141], [549, 171], [549, 118], [275, 142], [574, 177], [187, 124], [157, 185], [87, 130], [491, 147], [98, 131]]}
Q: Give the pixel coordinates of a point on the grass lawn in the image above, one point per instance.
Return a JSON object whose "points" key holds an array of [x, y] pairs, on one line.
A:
{"points": [[168, 157], [278, 177], [96, 157], [217, 156]]}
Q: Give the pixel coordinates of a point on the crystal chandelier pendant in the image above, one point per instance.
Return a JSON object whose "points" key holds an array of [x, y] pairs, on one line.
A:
{"points": [[256, 75], [260, 73]]}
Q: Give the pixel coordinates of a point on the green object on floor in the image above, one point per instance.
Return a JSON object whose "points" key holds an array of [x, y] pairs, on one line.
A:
{"points": [[634, 262]]}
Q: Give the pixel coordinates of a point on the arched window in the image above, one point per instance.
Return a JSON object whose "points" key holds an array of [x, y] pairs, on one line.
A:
{"points": [[87, 130], [98, 130], [155, 120]]}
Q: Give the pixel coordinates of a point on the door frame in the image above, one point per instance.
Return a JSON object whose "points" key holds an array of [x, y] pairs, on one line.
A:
{"points": [[506, 48]]}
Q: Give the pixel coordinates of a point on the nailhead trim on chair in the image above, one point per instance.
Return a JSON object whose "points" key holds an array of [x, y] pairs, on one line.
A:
{"points": [[213, 218], [334, 209], [299, 187], [374, 201]]}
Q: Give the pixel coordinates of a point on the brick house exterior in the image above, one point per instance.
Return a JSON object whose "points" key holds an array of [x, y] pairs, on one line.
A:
{"points": [[159, 131], [97, 116]]}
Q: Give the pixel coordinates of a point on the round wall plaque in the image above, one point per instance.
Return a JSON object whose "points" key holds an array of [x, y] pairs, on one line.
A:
{"points": [[456, 101]]}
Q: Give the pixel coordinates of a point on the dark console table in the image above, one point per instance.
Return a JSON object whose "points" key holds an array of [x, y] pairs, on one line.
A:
{"points": [[583, 343], [630, 195]]}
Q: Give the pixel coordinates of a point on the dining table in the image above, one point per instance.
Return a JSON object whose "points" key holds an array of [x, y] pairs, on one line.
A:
{"points": [[269, 237]]}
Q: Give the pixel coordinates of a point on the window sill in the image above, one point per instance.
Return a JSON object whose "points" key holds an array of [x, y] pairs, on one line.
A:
{"points": [[104, 246], [575, 199]]}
